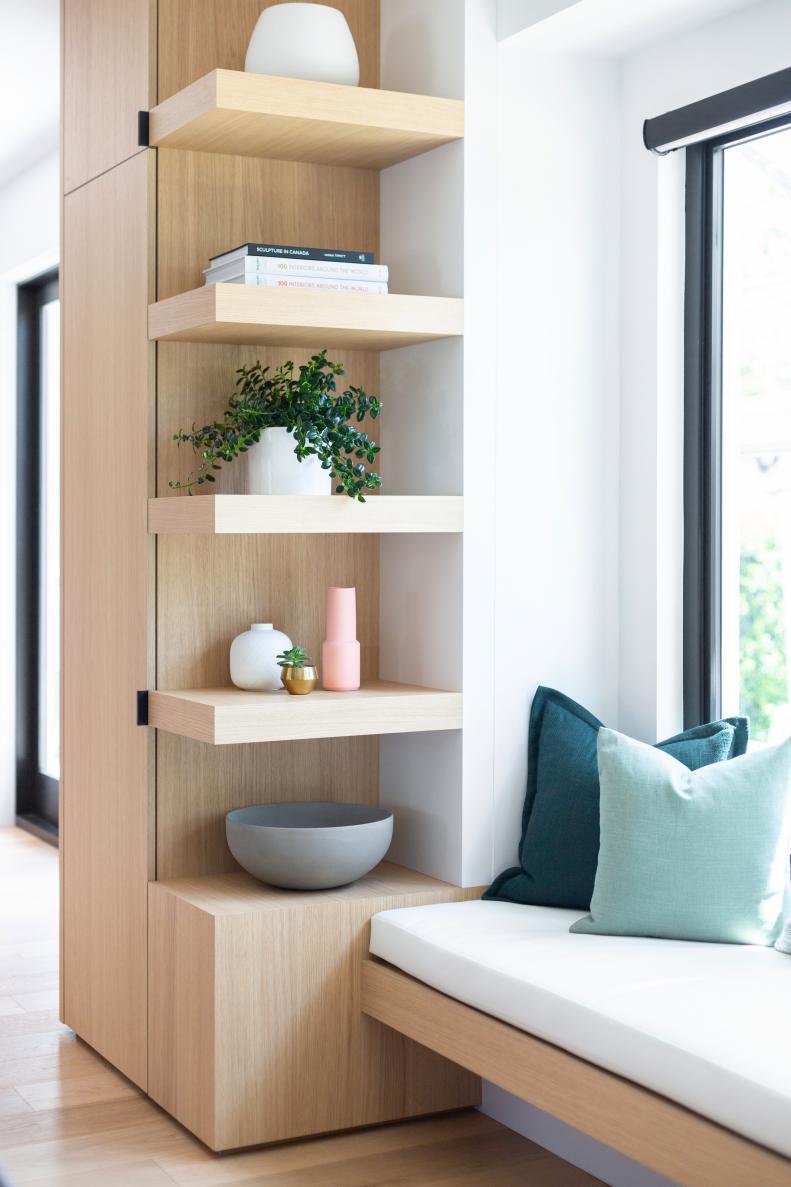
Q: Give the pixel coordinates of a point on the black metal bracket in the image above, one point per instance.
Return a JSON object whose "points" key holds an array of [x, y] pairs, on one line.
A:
{"points": [[142, 129], [142, 707]]}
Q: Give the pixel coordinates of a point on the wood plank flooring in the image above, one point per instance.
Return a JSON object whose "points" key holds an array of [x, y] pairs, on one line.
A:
{"points": [[68, 1119]]}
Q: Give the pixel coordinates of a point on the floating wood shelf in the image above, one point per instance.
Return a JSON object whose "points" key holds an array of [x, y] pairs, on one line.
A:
{"points": [[221, 515], [221, 716], [256, 115], [252, 315]]}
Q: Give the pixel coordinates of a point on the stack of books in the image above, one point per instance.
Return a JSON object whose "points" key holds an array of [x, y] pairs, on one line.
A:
{"points": [[275, 266]]}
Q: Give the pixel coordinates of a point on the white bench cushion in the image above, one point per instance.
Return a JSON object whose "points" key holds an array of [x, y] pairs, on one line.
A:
{"points": [[708, 1025]]}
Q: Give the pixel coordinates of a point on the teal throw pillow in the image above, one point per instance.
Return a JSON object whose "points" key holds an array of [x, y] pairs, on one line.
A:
{"points": [[560, 821], [690, 855]]}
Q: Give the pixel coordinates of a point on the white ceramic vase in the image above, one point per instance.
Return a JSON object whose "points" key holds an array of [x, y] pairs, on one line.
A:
{"points": [[274, 469], [310, 41], [254, 655]]}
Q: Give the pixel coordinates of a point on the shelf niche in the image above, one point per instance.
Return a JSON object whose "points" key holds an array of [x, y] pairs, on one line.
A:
{"points": [[257, 115]]}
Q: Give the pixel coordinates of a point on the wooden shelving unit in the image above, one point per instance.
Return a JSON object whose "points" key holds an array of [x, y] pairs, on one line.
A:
{"points": [[252, 316], [282, 940], [222, 716], [220, 515], [255, 115], [236, 1006]]}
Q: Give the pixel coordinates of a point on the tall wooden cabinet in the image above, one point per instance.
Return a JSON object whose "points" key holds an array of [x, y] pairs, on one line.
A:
{"points": [[178, 969]]}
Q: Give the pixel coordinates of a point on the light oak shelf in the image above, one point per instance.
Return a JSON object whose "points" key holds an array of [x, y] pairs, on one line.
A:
{"points": [[222, 716], [251, 315], [257, 115], [221, 515]]}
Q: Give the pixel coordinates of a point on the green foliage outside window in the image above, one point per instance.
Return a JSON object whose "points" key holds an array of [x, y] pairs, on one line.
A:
{"points": [[763, 670]]}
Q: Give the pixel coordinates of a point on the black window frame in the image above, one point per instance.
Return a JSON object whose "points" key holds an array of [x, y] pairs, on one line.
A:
{"points": [[702, 596], [37, 794]]}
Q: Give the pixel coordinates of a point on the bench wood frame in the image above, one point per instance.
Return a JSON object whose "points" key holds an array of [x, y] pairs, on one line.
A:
{"points": [[646, 1127]]}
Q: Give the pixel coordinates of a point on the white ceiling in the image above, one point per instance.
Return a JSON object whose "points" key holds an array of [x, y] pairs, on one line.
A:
{"points": [[29, 82], [617, 27]]}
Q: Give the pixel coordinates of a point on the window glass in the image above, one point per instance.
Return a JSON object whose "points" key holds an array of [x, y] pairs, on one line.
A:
{"points": [[756, 485], [49, 544]]}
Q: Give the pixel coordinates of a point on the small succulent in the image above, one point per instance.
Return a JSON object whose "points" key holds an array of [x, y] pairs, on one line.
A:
{"points": [[294, 658]]}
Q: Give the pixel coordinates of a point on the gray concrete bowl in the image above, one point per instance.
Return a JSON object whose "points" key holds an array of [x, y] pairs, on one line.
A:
{"points": [[309, 846]]}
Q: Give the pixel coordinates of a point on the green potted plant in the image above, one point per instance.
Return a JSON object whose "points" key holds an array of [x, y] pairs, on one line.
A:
{"points": [[299, 432], [297, 671]]}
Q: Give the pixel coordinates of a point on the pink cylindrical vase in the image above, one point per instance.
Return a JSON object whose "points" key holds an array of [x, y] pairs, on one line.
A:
{"points": [[340, 654]]}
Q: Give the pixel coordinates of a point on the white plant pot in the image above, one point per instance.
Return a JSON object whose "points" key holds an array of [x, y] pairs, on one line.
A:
{"points": [[273, 468], [254, 655], [310, 41]]}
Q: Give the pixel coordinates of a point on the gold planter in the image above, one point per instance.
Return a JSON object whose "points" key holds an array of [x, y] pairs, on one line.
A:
{"points": [[299, 681]]}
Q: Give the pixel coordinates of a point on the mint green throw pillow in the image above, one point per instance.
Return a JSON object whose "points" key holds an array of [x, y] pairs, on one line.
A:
{"points": [[690, 855]]}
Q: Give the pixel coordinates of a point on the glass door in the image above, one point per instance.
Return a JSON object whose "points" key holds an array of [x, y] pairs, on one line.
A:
{"points": [[38, 556]]}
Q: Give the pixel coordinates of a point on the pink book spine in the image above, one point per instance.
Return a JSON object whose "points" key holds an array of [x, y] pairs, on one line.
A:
{"points": [[340, 654]]}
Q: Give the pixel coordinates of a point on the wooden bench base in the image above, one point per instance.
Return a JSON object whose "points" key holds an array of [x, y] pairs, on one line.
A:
{"points": [[639, 1123]]}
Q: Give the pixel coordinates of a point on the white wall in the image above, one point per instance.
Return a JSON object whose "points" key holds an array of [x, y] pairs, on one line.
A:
{"points": [[557, 401], [422, 241], [437, 593], [29, 84], [29, 221]]}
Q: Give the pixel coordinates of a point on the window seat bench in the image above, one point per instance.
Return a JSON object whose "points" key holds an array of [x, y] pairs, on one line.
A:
{"points": [[677, 1054]]}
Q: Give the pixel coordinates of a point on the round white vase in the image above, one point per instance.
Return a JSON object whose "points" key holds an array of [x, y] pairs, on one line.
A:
{"points": [[310, 41], [274, 469], [254, 655]]}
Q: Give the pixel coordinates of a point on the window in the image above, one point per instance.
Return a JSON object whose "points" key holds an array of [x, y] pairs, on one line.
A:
{"points": [[737, 499], [38, 555], [756, 433], [738, 429]]}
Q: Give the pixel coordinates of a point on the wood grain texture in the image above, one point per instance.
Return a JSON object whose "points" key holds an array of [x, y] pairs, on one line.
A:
{"points": [[106, 780], [211, 589], [254, 1010], [290, 119], [191, 828], [109, 74], [223, 716], [193, 40], [273, 514], [648, 1128], [194, 385], [208, 204], [250, 315]]}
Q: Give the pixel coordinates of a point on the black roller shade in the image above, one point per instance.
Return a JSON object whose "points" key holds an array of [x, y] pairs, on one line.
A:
{"points": [[763, 98]]}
